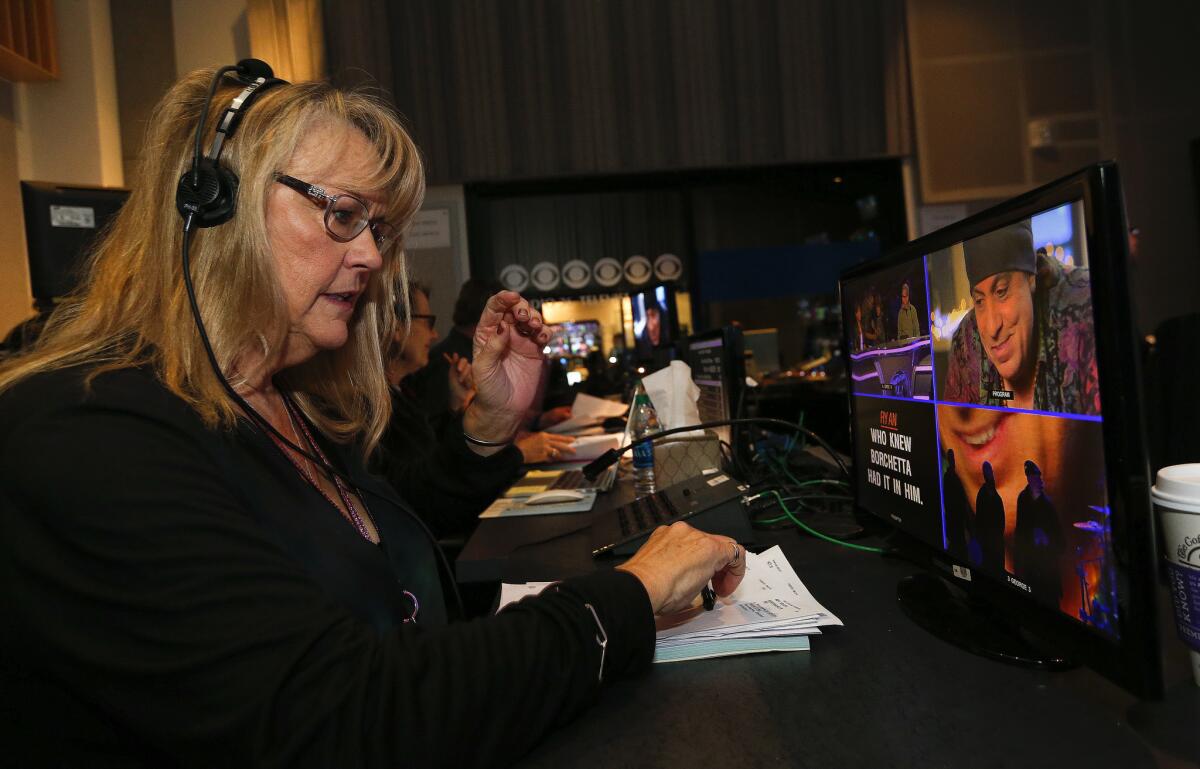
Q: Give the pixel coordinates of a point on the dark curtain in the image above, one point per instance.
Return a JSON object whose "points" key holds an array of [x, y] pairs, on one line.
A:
{"points": [[522, 89]]}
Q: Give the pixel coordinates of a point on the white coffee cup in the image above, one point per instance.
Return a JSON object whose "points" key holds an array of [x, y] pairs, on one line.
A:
{"points": [[1176, 496]]}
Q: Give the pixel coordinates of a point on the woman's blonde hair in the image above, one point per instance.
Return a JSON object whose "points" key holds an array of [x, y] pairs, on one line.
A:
{"points": [[132, 308]]}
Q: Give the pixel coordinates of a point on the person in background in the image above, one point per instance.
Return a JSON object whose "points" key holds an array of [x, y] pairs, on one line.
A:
{"points": [[428, 463], [989, 523], [653, 324], [957, 510], [193, 578], [1038, 544], [858, 336], [908, 323], [431, 384], [874, 330]]}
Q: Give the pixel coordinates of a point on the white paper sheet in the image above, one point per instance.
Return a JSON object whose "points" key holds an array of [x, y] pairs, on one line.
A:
{"points": [[588, 411]]}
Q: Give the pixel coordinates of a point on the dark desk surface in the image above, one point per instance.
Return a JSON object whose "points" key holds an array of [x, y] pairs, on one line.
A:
{"points": [[880, 692]]}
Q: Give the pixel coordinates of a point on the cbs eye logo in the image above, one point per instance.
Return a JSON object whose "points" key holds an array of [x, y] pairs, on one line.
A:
{"points": [[576, 273], [638, 270], [607, 272], [514, 277], [668, 267], [544, 276]]}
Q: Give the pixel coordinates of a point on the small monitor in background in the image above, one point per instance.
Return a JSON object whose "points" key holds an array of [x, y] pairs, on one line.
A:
{"points": [[61, 225], [715, 358], [762, 351], [574, 339], [655, 320]]}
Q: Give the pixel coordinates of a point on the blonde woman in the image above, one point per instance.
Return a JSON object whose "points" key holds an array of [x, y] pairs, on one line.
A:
{"points": [[182, 587]]}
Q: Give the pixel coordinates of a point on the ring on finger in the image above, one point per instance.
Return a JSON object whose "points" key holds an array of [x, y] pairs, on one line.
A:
{"points": [[737, 553]]}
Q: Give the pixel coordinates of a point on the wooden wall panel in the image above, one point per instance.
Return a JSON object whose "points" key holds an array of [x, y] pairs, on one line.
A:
{"points": [[971, 117], [983, 73], [28, 40]]}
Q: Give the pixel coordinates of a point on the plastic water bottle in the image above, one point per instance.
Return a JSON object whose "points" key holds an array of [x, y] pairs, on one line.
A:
{"points": [[645, 422]]}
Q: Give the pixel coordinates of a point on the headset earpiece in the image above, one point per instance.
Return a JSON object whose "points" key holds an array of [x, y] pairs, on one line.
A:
{"points": [[209, 195], [207, 192]]}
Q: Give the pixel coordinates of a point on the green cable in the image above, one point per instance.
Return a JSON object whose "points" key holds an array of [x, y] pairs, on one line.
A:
{"points": [[814, 532]]}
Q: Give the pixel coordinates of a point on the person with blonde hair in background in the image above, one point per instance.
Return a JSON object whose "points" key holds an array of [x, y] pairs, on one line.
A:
{"points": [[197, 579]]}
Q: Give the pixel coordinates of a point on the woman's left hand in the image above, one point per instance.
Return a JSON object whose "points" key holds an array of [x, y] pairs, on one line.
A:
{"points": [[507, 367]]}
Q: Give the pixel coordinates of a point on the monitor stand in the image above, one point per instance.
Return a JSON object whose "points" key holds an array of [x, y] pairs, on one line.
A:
{"points": [[953, 616]]}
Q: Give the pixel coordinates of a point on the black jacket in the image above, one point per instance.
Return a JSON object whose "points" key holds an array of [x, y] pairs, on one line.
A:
{"points": [[433, 468], [178, 596], [431, 385]]}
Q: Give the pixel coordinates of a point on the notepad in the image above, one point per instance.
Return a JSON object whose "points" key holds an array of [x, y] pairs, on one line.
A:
{"points": [[771, 610]]}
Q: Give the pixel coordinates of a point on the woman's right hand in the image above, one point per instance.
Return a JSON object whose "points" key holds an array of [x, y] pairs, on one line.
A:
{"points": [[677, 561], [546, 447]]}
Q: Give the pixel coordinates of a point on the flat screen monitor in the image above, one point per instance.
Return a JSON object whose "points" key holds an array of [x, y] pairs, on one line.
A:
{"points": [[716, 361], [61, 225], [762, 351], [655, 320], [574, 339], [996, 411]]}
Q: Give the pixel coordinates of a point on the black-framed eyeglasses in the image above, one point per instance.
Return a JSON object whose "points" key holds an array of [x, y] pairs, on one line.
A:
{"points": [[432, 319], [346, 216]]}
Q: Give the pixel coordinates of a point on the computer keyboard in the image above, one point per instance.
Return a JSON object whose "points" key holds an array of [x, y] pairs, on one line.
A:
{"points": [[645, 514], [714, 498], [571, 479]]}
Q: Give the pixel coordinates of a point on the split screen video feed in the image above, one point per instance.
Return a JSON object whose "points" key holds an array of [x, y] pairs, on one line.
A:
{"points": [[890, 346], [978, 424]]}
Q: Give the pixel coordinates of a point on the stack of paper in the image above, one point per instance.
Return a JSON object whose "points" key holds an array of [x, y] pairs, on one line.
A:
{"points": [[771, 610], [587, 412]]}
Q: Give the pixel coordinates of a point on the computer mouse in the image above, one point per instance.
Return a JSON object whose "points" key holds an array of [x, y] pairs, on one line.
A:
{"points": [[551, 496]]}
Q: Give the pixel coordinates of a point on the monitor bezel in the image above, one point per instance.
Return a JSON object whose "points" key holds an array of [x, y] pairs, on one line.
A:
{"points": [[1133, 661]]}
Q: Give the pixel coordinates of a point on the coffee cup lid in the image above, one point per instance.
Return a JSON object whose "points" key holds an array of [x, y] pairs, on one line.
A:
{"points": [[1179, 482]]}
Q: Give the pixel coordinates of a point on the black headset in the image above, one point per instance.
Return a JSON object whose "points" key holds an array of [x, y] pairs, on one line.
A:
{"points": [[207, 193], [206, 196]]}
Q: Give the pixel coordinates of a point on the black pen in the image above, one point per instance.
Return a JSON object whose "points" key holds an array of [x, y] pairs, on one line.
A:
{"points": [[709, 596]]}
